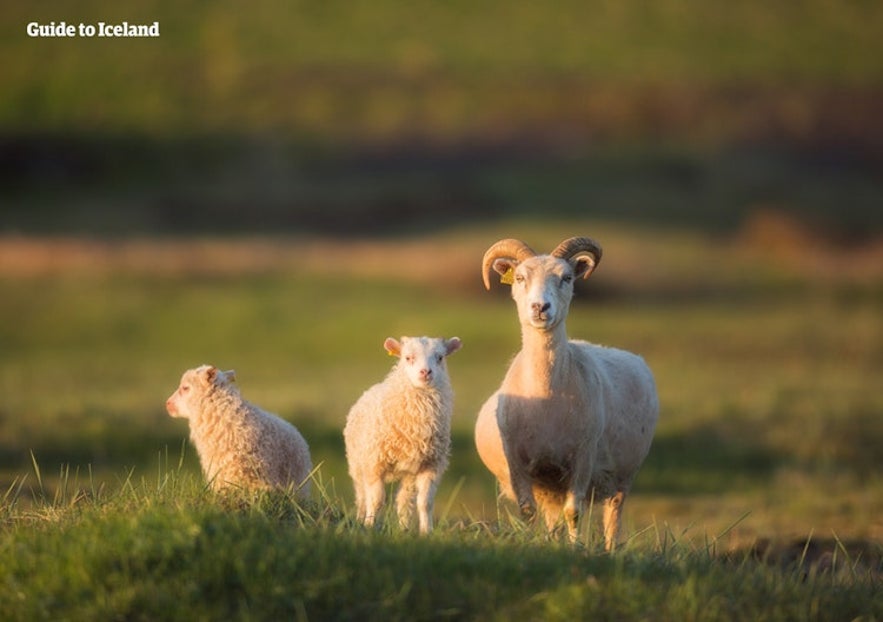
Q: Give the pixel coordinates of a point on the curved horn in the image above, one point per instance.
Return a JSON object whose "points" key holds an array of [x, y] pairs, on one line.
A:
{"points": [[509, 248], [572, 247]]}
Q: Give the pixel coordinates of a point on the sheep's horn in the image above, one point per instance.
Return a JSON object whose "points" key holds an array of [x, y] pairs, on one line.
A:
{"points": [[509, 248], [571, 247]]}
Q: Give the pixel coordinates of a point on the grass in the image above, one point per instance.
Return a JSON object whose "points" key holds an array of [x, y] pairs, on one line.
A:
{"points": [[164, 548], [764, 375], [760, 499], [708, 146], [380, 71]]}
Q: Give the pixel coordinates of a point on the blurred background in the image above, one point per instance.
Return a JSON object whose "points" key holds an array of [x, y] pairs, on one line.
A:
{"points": [[278, 187], [355, 117]]}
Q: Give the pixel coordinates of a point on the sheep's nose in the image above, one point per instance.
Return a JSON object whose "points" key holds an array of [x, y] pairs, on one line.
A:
{"points": [[425, 373], [539, 307]]}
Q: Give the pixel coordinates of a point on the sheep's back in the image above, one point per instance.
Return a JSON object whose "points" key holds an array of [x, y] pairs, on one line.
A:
{"points": [[283, 451], [239, 443]]}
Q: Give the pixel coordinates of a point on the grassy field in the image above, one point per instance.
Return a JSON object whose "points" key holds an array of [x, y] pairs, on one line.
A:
{"points": [[450, 72], [162, 548], [766, 355], [279, 189]]}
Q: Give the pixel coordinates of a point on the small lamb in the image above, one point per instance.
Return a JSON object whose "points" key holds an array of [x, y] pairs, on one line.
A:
{"points": [[400, 429], [239, 445]]}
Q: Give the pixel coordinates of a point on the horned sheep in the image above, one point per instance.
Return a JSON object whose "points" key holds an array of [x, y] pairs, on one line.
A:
{"points": [[400, 430], [571, 421], [239, 445]]}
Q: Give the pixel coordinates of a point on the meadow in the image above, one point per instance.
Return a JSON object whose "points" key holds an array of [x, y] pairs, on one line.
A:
{"points": [[277, 190], [446, 73], [761, 497]]}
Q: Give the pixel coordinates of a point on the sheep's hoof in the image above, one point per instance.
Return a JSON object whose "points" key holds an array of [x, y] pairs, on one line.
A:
{"points": [[528, 512]]}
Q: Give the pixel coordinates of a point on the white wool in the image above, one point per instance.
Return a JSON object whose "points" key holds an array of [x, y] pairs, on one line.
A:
{"points": [[571, 421], [400, 430], [239, 445]]}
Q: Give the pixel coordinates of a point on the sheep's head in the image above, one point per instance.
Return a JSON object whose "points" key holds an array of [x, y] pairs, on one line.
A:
{"points": [[195, 385], [542, 285], [423, 358]]}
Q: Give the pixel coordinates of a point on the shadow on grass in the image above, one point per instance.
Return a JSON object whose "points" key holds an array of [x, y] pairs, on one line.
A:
{"points": [[107, 442], [855, 557], [702, 461], [131, 184]]}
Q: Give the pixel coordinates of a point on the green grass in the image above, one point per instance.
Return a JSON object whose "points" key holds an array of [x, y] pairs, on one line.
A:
{"points": [[380, 70], [764, 376], [768, 436], [735, 147], [164, 548]]}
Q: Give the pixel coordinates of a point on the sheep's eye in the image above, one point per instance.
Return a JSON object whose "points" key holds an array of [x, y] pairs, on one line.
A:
{"points": [[409, 358], [185, 388], [440, 358], [567, 278], [519, 278]]}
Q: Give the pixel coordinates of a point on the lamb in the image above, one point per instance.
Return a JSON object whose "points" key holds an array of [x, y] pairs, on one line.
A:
{"points": [[400, 430], [572, 421], [239, 445]]}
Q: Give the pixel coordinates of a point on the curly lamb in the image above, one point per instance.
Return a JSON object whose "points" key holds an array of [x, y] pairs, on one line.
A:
{"points": [[239, 445], [400, 430]]}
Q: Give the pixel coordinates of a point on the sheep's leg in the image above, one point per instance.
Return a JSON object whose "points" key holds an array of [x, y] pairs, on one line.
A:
{"points": [[427, 485], [527, 504], [405, 501], [521, 486], [612, 519], [374, 497], [575, 499], [573, 507], [360, 501], [519, 476], [550, 505]]}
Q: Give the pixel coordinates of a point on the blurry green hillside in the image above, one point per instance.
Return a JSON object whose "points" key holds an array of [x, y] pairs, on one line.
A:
{"points": [[434, 69], [352, 116]]}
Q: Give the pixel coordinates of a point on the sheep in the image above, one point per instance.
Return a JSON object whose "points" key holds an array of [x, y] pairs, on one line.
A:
{"points": [[400, 430], [571, 422], [239, 445]]}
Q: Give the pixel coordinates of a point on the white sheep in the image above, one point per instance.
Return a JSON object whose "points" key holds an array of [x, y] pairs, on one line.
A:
{"points": [[400, 429], [239, 445], [572, 421]]}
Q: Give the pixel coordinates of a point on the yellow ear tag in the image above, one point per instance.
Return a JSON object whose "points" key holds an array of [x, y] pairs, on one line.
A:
{"points": [[508, 277]]}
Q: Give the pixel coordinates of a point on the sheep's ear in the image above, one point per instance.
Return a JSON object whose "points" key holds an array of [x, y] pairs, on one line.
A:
{"points": [[392, 346], [583, 266], [506, 269], [230, 375], [452, 345], [211, 373]]}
